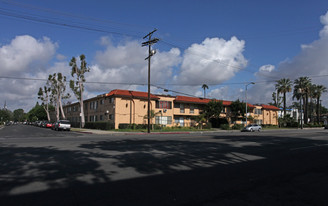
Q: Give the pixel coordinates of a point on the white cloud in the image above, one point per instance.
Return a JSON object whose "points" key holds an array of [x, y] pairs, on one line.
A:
{"points": [[24, 57], [25, 53], [213, 61], [267, 68], [125, 63], [312, 61]]}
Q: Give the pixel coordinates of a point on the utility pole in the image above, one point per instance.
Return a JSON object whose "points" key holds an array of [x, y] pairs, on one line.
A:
{"points": [[150, 53]]}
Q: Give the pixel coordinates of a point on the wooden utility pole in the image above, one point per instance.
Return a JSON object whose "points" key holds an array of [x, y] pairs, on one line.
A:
{"points": [[150, 53]]}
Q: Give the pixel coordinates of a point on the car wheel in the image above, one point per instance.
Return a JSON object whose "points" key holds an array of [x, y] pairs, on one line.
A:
{"points": [[259, 130], [252, 130]]}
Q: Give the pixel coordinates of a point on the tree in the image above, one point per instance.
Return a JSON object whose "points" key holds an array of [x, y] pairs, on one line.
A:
{"points": [[213, 109], [57, 83], [302, 84], [277, 100], [18, 115], [77, 86], [152, 116], [43, 95], [204, 86], [37, 113], [283, 86], [5, 115], [237, 109], [319, 89]]}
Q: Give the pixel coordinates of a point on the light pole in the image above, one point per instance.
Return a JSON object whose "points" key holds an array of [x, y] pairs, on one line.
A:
{"points": [[246, 99], [150, 54]]}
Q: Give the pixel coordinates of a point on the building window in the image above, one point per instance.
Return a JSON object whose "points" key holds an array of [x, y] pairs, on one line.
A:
{"points": [[192, 109], [163, 105], [101, 117], [111, 117], [101, 101], [93, 118], [86, 106], [163, 120], [179, 121], [258, 111], [176, 105], [182, 108], [111, 100], [258, 121]]}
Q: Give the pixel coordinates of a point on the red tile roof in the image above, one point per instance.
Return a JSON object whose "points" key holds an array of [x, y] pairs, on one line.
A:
{"points": [[269, 107], [191, 100], [133, 94], [198, 100]]}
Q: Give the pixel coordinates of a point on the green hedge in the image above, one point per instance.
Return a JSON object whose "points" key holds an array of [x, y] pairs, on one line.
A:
{"points": [[99, 125], [225, 126]]}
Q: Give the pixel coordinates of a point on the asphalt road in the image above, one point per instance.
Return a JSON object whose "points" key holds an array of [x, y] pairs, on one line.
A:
{"points": [[44, 167]]}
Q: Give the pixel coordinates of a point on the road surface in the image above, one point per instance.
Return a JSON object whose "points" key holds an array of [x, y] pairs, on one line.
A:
{"points": [[43, 167]]}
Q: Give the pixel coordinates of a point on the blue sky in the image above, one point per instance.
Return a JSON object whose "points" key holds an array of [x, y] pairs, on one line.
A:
{"points": [[224, 44]]}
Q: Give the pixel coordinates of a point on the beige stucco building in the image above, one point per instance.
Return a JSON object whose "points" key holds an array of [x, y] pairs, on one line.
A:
{"points": [[130, 107]]}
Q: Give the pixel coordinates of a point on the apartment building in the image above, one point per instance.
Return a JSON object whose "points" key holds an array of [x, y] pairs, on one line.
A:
{"points": [[130, 107]]}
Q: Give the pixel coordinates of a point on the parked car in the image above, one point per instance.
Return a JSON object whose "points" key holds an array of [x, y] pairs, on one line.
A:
{"points": [[48, 125], [252, 128], [62, 125]]}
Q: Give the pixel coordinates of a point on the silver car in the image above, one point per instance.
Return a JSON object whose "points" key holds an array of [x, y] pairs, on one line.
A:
{"points": [[252, 128]]}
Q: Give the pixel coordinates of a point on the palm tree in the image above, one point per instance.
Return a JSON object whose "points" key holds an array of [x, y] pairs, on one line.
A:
{"points": [[312, 95], [303, 84], [319, 89], [204, 86], [283, 86]]}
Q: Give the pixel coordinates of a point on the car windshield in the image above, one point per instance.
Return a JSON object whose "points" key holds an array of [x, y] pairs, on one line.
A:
{"points": [[64, 121]]}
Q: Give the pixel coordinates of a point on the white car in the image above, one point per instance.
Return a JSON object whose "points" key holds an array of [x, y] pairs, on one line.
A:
{"points": [[252, 128], [62, 125]]}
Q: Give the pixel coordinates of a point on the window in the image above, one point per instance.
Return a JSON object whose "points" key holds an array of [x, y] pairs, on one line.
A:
{"points": [[111, 100], [93, 118], [258, 121], [176, 105], [163, 105], [86, 106], [111, 117], [192, 109], [182, 109], [101, 118], [223, 110], [258, 111], [163, 120], [101, 101], [179, 121]]}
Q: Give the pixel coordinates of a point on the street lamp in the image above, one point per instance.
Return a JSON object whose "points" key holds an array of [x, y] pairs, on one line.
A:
{"points": [[246, 99]]}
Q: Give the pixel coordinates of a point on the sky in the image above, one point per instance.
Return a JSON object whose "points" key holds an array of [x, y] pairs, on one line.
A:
{"points": [[224, 44]]}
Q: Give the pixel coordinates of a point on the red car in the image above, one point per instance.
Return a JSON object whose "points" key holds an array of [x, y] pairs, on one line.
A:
{"points": [[48, 125]]}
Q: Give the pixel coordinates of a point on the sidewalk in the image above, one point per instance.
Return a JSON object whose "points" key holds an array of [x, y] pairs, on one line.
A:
{"points": [[110, 132]]}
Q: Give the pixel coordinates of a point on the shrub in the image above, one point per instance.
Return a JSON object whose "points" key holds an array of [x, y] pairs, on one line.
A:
{"points": [[238, 126], [99, 125], [225, 126]]}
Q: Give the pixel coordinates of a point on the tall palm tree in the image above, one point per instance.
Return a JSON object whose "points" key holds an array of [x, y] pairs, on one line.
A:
{"points": [[312, 96], [204, 86], [304, 84], [319, 89], [283, 86]]}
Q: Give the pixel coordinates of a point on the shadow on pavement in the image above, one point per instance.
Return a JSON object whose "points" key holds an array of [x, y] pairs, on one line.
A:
{"points": [[258, 172]]}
